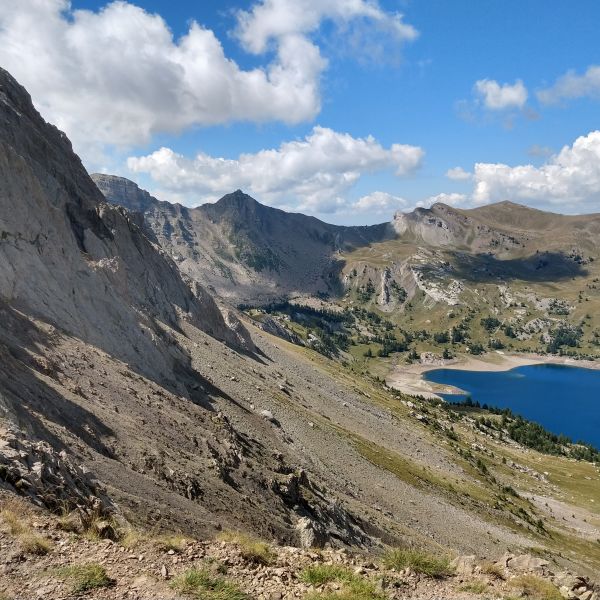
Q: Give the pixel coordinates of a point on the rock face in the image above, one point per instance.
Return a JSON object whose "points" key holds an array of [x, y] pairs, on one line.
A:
{"points": [[48, 477], [246, 251], [71, 258]]}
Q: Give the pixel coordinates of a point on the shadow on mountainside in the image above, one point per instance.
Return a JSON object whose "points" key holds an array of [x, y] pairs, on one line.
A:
{"points": [[32, 400], [542, 267], [24, 348]]}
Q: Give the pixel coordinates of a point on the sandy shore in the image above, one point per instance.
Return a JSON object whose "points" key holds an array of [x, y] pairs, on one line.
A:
{"points": [[409, 378]]}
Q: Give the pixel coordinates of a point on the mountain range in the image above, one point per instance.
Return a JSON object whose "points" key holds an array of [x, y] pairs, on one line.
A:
{"points": [[532, 271], [140, 377]]}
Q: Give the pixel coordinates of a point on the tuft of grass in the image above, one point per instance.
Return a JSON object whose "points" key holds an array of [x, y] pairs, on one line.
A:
{"points": [[16, 524], [97, 528], [177, 543], [536, 588], [493, 570], [354, 587], [474, 587], [85, 577], [30, 542], [419, 561], [252, 549], [204, 585], [132, 538], [69, 522], [35, 544]]}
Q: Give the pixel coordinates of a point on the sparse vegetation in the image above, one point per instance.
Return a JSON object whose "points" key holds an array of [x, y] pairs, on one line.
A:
{"points": [[205, 585], [492, 569], [354, 587], [475, 587], [319, 574], [85, 577], [69, 521], [251, 548], [536, 588], [419, 561], [174, 542], [35, 544], [131, 538], [29, 541]]}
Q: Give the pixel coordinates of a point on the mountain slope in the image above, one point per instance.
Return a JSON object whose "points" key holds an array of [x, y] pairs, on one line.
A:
{"points": [[98, 361]]}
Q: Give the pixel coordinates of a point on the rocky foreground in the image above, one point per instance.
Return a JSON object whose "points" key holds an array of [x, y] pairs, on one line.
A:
{"points": [[44, 556]]}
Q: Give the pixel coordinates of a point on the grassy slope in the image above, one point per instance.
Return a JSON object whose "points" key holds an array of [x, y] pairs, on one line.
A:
{"points": [[576, 484]]}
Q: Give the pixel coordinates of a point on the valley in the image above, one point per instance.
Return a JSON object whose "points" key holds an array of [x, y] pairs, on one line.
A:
{"points": [[221, 371]]}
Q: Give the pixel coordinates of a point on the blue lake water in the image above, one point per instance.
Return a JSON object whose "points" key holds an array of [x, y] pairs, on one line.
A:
{"points": [[563, 399]]}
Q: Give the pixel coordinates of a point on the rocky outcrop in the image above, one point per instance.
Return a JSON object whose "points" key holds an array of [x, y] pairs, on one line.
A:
{"points": [[48, 477], [274, 327]]}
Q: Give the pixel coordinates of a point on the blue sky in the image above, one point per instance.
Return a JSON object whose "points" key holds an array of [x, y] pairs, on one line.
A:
{"points": [[367, 75]]}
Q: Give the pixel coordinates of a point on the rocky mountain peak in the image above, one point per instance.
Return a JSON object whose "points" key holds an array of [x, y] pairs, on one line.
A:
{"points": [[131, 196], [237, 205]]}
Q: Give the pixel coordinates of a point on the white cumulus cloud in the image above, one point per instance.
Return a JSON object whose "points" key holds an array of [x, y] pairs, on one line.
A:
{"points": [[569, 180], [458, 174], [452, 199], [311, 174], [571, 86], [497, 96], [270, 20], [380, 203], [118, 76]]}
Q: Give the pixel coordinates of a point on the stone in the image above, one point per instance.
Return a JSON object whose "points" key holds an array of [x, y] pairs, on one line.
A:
{"points": [[528, 563], [310, 535], [267, 414], [464, 565]]}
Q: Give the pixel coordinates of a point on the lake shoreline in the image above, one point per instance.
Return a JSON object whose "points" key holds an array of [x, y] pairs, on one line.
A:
{"points": [[410, 378]]}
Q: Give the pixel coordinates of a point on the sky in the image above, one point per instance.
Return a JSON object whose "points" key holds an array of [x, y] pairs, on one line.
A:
{"points": [[349, 110]]}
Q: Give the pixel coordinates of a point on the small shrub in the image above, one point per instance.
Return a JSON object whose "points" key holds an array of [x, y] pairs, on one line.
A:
{"points": [[418, 561], [252, 549], [85, 577], [206, 586], [536, 588]]}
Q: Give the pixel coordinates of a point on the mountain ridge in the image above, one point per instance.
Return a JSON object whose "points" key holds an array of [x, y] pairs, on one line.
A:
{"points": [[247, 251]]}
